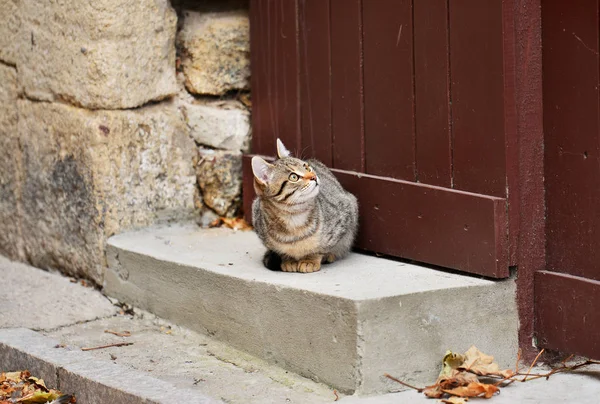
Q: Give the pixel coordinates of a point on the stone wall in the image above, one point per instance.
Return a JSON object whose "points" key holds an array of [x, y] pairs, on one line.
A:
{"points": [[115, 115]]}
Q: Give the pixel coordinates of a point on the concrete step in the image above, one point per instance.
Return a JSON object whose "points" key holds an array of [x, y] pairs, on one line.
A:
{"points": [[165, 363], [345, 326]]}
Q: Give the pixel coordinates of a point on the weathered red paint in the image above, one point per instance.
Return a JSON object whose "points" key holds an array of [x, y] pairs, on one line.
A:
{"points": [[315, 80], [347, 91], [389, 88], [530, 175], [567, 316], [433, 119], [566, 295]]}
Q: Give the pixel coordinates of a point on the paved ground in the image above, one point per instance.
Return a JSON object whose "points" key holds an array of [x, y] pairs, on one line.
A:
{"points": [[77, 316]]}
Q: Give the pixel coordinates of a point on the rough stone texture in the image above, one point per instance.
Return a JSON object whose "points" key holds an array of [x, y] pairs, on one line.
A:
{"points": [[345, 325], [190, 360], [64, 303], [10, 26], [90, 174], [220, 180], [10, 165], [91, 380], [215, 51], [101, 54], [217, 124]]}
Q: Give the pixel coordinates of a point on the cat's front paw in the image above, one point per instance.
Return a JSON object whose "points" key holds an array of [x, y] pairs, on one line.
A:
{"points": [[289, 266], [306, 265], [309, 266]]}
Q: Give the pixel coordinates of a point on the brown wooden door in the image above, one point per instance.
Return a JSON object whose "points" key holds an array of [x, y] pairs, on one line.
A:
{"points": [[568, 293], [412, 104]]}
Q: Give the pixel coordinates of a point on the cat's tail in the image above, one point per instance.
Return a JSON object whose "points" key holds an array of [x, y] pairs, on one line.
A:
{"points": [[272, 261]]}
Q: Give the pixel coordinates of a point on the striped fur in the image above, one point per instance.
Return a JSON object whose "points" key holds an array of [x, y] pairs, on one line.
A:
{"points": [[302, 214]]}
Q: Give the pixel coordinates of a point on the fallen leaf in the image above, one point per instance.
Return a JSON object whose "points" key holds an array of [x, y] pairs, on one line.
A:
{"points": [[456, 378], [215, 223], [434, 391], [39, 397], [236, 223], [450, 362], [483, 365], [455, 400], [474, 389]]}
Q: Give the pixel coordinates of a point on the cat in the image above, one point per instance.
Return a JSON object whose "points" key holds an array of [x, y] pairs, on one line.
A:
{"points": [[301, 213]]}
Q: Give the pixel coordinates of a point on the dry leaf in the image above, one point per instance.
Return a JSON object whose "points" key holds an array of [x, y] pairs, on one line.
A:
{"points": [[434, 391], [21, 387], [483, 365], [455, 400], [450, 362], [237, 223], [474, 389], [39, 397]]}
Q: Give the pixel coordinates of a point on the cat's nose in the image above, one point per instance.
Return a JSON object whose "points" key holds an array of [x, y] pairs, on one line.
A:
{"points": [[310, 176]]}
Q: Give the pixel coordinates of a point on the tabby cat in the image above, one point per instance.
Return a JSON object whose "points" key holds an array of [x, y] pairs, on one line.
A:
{"points": [[302, 214]]}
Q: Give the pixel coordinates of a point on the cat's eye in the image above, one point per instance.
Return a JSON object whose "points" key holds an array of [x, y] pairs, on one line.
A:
{"points": [[293, 177], [309, 169]]}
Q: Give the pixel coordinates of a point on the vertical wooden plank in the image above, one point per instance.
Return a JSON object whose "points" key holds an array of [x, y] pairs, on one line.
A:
{"points": [[510, 123], [477, 92], [274, 58], [347, 112], [432, 93], [389, 91], [572, 154], [531, 255], [315, 84], [259, 80]]}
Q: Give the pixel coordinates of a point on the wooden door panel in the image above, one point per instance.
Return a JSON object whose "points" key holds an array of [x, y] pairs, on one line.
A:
{"points": [[389, 89], [566, 313], [432, 94], [273, 34], [567, 295], [572, 162], [315, 79], [347, 112], [477, 96], [453, 229], [339, 81]]}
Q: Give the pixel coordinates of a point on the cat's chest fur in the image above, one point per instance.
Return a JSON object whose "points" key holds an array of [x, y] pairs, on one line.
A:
{"points": [[295, 234]]}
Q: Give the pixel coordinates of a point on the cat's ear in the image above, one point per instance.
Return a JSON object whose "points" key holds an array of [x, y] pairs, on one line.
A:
{"points": [[281, 150], [261, 170]]}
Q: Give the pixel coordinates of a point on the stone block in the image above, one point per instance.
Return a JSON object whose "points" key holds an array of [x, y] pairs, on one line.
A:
{"points": [[10, 165], [62, 302], [215, 51], [220, 180], [109, 54], [92, 380], [217, 124], [345, 325], [90, 174], [9, 30]]}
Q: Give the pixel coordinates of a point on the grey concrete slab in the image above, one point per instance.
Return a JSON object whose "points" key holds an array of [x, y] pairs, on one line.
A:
{"points": [[345, 325], [93, 380], [36, 299], [188, 360]]}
